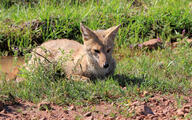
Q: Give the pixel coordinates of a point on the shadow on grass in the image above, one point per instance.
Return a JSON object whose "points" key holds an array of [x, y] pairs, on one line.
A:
{"points": [[124, 80]]}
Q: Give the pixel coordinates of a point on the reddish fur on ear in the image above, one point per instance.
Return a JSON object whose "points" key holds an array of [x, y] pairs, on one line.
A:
{"points": [[86, 32], [111, 32]]}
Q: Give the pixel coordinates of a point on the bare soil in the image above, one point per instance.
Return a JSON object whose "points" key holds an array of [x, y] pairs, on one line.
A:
{"points": [[157, 107]]}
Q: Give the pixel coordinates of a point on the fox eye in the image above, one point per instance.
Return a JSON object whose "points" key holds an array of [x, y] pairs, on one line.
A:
{"points": [[108, 50], [97, 51]]}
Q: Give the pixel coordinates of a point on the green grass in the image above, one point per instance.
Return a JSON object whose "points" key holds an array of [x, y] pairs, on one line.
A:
{"points": [[163, 70], [52, 20]]}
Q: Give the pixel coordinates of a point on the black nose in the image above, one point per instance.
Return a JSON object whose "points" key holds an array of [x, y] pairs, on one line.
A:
{"points": [[106, 65]]}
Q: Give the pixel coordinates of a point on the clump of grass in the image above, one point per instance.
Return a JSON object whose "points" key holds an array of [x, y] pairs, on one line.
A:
{"points": [[162, 70], [156, 19], [36, 32]]}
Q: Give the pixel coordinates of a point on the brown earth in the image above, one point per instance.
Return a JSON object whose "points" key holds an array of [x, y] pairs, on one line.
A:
{"points": [[157, 107]]}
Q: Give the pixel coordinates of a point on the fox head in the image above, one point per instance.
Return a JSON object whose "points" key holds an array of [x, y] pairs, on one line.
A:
{"points": [[99, 44]]}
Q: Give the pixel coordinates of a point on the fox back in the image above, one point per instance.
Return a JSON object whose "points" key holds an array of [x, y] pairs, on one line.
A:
{"points": [[93, 59]]}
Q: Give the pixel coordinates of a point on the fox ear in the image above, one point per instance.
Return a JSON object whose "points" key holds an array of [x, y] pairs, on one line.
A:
{"points": [[111, 32], [86, 33]]}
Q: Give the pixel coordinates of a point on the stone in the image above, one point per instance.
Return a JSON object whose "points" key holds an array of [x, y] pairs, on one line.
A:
{"points": [[72, 107], [88, 114], [43, 106], [1, 106]]}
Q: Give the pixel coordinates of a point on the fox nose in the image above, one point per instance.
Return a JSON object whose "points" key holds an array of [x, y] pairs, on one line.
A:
{"points": [[106, 65]]}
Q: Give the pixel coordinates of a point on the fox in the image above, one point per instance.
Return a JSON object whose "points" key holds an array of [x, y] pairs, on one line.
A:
{"points": [[92, 59]]}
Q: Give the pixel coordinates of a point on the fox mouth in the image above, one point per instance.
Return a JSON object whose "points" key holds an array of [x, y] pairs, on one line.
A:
{"points": [[105, 70]]}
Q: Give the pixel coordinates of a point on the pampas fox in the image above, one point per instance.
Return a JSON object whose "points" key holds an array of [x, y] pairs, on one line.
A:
{"points": [[93, 59]]}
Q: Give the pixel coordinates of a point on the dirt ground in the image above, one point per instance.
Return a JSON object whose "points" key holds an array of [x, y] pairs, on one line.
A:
{"points": [[157, 107]]}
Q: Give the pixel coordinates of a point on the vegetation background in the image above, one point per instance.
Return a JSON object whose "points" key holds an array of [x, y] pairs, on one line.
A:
{"points": [[25, 24]]}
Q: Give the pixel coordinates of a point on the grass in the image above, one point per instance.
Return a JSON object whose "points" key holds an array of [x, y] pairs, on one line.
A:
{"points": [[51, 21], [160, 71], [164, 70]]}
